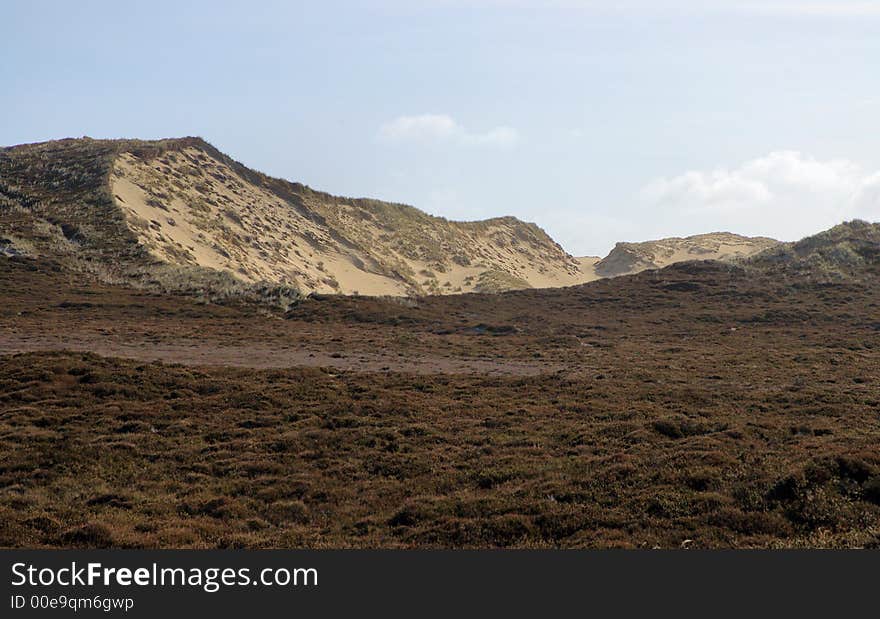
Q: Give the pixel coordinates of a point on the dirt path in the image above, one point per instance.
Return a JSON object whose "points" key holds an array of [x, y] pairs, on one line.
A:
{"points": [[263, 356]]}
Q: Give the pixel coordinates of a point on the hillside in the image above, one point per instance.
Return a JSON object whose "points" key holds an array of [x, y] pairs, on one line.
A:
{"points": [[123, 206], [628, 258]]}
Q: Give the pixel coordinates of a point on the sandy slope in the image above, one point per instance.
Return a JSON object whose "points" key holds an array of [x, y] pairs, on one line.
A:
{"points": [[189, 207], [195, 210]]}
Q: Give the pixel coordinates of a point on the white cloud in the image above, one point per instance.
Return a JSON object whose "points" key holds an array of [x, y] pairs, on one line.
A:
{"points": [[443, 128], [424, 127], [784, 194]]}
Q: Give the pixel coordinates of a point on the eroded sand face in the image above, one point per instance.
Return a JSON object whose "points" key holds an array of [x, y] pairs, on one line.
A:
{"points": [[195, 210], [189, 208]]}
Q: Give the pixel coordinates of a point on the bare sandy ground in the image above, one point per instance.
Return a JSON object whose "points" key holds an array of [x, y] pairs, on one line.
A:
{"points": [[266, 356]]}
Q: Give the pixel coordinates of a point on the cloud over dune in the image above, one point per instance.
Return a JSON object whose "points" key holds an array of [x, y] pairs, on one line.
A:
{"points": [[426, 128]]}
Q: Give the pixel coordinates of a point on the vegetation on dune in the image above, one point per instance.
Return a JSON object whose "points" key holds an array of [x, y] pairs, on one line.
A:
{"points": [[850, 250], [499, 281]]}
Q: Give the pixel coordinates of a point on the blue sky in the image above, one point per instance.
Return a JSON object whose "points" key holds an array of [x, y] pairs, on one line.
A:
{"points": [[600, 121]]}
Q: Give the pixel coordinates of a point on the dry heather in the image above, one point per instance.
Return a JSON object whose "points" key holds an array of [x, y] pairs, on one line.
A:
{"points": [[701, 405]]}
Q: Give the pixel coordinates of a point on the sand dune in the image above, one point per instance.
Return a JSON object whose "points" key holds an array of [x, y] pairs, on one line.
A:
{"points": [[191, 207], [179, 215]]}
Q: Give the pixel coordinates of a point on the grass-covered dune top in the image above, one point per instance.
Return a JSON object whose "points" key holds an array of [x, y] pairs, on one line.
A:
{"points": [[172, 214], [850, 250]]}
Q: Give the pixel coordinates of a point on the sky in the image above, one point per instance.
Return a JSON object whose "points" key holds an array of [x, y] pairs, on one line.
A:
{"points": [[599, 121]]}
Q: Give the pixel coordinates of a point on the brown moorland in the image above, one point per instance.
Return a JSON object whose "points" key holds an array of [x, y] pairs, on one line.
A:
{"points": [[702, 405]]}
